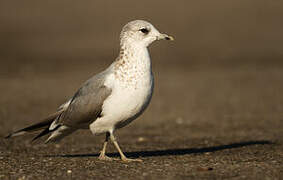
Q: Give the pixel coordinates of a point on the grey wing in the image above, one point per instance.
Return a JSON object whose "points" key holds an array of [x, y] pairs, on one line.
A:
{"points": [[86, 105]]}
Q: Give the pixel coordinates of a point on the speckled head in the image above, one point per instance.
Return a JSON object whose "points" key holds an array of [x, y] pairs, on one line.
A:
{"points": [[140, 32]]}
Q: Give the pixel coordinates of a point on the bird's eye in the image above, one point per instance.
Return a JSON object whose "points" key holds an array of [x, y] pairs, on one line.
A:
{"points": [[144, 30]]}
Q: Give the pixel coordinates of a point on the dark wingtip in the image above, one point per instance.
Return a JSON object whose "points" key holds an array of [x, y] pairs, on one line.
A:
{"points": [[43, 133], [8, 136], [13, 134]]}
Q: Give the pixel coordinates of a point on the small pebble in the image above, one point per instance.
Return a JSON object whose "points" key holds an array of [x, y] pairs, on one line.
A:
{"points": [[144, 174], [69, 171], [141, 139], [22, 178]]}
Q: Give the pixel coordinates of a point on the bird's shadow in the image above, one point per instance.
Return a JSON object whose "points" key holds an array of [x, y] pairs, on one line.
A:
{"points": [[171, 152]]}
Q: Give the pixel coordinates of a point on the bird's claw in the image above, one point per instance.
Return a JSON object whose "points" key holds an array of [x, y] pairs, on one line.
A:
{"points": [[124, 159], [106, 158]]}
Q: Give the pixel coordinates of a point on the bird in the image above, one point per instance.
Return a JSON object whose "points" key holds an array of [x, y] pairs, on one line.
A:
{"points": [[111, 99]]}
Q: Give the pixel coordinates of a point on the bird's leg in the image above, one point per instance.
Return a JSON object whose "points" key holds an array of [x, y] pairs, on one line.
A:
{"points": [[123, 157], [102, 155]]}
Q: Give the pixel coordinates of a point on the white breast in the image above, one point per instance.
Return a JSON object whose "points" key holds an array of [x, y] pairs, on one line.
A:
{"points": [[132, 87]]}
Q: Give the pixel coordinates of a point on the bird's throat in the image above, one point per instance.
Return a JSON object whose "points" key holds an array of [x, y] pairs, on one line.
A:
{"points": [[132, 65]]}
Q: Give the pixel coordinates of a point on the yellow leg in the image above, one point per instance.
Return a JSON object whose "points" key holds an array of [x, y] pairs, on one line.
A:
{"points": [[123, 157], [102, 155]]}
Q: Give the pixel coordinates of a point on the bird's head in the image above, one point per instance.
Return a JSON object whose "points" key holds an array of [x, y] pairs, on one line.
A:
{"points": [[142, 33]]}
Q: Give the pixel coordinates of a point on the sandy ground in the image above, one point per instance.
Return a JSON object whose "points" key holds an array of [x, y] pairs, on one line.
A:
{"points": [[203, 123], [216, 111]]}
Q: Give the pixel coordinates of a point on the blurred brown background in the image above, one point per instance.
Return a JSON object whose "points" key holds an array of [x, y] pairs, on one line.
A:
{"points": [[218, 83], [204, 30]]}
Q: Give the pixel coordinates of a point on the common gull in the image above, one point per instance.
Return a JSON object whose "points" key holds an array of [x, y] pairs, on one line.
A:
{"points": [[111, 99]]}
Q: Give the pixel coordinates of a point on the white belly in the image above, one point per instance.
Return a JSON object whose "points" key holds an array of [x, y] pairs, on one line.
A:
{"points": [[123, 105]]}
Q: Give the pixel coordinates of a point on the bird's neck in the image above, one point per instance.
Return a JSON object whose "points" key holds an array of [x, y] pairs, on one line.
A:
{"points": [[133, 66], [134, 56]]}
